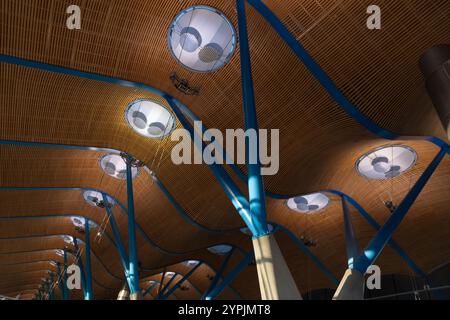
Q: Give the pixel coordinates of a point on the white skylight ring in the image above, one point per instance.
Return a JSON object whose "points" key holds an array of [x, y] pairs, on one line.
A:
{"points": [[93, 198], [386, 162], [150, 119], [220, 249], [202, 39], [114, 165], [310, 203]]}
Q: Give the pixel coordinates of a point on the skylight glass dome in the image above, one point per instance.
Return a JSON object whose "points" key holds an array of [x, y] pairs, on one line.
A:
{"points": [[115, 166], [202, 39], [308, 203], [190, 263], [60, 253], [386, 162], [150, 119], [68, 239], [220, 249], [94, 198], [80, 222], [247, 231]]}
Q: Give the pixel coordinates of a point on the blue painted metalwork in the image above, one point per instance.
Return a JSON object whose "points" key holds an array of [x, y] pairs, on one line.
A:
{"points": [[350, 236], [51, 290], [417, 270], [89, 295], [231, 189], [80, 265], [309, 254], [117, 239], [230, 277], [376, 245], [180, 282], [132, 258], [255, 182], [218, 274], [163, 276], [166, 286], [326, 82], [149, 289], [64, 279]]}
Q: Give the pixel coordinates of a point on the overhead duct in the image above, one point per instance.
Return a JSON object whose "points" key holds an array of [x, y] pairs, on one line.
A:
{"points": [[435, 66]]}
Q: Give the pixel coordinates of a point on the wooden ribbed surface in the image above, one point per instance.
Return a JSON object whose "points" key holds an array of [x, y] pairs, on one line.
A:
{"points": [[319, 142]]}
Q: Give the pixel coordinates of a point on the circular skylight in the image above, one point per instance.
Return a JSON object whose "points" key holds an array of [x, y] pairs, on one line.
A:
{"points": [[150, 119], [386, 162], [202, 39], [60, 252], [68, 239], [95, 198], [80, 222], [170, 274], [190, 263], [247, 231], [115, 166], [220, 249], [53, 263], [308, 203]]}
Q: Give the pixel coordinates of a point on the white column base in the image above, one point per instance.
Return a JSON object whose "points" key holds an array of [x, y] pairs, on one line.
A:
{"points": [[136, 296], [124, 293], [275, 279], [351, 286]]}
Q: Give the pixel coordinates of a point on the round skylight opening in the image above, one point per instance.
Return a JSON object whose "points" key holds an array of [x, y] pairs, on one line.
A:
{"points": [[95, 198], [247, 231], [220, 249], [60, 253], [386, 162], [80, 222], [190, 263], [150, 119], [309, 203], [68, 239], [53, 263], [202, 39], [114, 166]]}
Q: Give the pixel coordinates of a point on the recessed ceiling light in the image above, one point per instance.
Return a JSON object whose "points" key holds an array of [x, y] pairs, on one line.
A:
{"points": [[220, 249], [150, 119], [114, 166], [202, 39], [95, 198], [308, 203], [386, 162]]}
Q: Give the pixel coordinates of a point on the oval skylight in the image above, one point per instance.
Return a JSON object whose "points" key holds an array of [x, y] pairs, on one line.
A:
{"points": [[53, 263], [386, 162], [202, 39], [68, 239], [308, 203], [115, 166], [95, 198], [60, 252], [190, 263], [80, 222], [150, 119], [220, 249], [247, 231]]}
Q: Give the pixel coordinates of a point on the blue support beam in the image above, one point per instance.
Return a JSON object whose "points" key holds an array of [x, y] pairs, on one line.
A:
{"points": [[255, 183], [64, 278], [376, 245], [350, 236], [117, 239], [149, 289], [230, 277], [133, 261], [166, 286], [218, 274], [51, 288], [180, 282], [89, 295], [80, 265]]}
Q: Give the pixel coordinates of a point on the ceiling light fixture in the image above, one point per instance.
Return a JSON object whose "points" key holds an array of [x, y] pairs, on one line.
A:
{"points": [[386, 162], [114, 166], [308, 203], [202, 39], [150, 119]]}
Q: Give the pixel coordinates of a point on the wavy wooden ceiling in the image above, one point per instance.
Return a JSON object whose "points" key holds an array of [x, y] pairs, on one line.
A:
{"points": [[319, 142]]}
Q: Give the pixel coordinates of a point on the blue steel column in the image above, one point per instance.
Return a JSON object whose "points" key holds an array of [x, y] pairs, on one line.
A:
{"points": [[133, 268], [255, 182], [376, 245], [52, 284], [64, 278], [350, 237], [88, 291]]}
